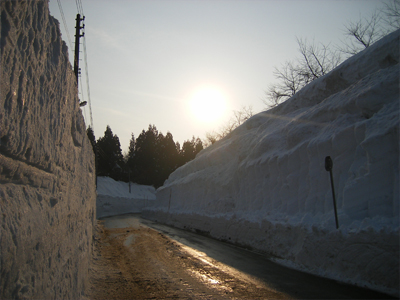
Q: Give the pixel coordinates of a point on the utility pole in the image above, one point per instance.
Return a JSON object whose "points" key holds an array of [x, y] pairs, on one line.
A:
{"points": [[78, 35]]}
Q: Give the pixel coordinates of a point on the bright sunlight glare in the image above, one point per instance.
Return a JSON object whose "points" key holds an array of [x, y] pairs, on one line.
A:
{"points": [[208, 104]]}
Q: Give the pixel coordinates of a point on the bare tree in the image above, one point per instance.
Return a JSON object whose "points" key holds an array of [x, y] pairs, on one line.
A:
{"points": [[290, 82], [211, 138], [238, 118], [315, 61], [362, 33], [366, 31], [392, 12]]}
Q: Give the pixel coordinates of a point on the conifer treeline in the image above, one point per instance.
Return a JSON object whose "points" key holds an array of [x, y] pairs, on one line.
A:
{"points": [[151, 157]]}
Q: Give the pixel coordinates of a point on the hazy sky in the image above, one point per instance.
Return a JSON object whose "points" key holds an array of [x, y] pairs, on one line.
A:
{"points": [[147, 60]]}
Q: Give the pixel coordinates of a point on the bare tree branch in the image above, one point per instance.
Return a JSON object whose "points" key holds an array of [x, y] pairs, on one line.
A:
{"points": [[392, 13], [363, 33], [315, 61], [238, 118]]}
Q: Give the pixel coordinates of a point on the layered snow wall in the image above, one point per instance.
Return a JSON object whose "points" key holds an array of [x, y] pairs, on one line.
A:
{"points": [[47, 180], [118, 198], [265, 185]]}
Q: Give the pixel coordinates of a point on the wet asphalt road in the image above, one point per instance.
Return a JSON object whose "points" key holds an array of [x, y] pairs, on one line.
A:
{"points": [[248, 265]]}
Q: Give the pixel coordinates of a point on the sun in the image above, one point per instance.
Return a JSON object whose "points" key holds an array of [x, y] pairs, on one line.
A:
{"points": [[208, 104]]}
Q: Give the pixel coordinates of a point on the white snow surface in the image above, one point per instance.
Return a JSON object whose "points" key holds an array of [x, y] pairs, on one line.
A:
{"points": [[114, 198], [265, 185], [107, 186]]}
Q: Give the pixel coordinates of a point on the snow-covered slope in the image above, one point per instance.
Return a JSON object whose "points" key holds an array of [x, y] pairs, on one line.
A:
{"points": [[265, 185], [114, 198]]}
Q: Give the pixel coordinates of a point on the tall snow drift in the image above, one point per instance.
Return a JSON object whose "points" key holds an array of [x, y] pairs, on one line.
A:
{"points": [[265, 185], [47, 180], [118, 198]]}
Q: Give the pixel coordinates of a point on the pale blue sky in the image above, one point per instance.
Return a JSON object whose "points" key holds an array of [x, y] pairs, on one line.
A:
{"points": [[146, 58]]}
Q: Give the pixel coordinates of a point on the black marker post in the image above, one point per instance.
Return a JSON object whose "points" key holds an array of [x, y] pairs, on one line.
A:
{"points": [[328, 167]]}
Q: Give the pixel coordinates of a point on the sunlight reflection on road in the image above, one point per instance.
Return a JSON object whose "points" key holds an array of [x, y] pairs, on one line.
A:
{"points": [[231, 269]]}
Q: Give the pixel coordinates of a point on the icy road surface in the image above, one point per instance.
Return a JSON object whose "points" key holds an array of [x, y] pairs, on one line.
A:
{"points": [[139, 259]]}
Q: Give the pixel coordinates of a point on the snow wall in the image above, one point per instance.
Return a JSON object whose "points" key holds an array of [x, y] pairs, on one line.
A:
{"points": [[47, 182], [114, 198], [265, 185]]}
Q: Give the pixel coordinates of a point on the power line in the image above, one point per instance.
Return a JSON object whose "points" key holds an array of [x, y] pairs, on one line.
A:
{"points": [[79, 6], [65, 23], [87, 81]]}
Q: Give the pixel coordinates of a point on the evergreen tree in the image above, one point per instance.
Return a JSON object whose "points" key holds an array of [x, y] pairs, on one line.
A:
{"points": [[198, 146], [145, 156], [167, 158], [92, 138], [110, 159], [190, 150], [131, 153], [152, 157]]}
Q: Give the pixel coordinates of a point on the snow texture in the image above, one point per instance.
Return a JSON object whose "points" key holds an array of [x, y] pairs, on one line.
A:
{"points": [[113, 197], [47, 180], [265, 185]]}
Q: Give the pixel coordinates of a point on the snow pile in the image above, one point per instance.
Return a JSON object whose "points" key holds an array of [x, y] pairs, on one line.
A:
{"points": [[265, 185], [47, 180], [113, 197]]}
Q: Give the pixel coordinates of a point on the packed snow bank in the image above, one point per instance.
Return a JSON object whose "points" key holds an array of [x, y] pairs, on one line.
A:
{"points": [[47, 180], [114, 198], [265, 185]]}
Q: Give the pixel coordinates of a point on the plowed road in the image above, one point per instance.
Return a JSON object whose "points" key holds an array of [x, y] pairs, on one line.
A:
{"points": [[139, 259]]}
